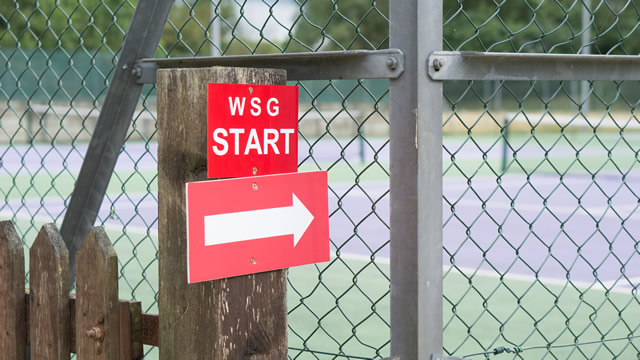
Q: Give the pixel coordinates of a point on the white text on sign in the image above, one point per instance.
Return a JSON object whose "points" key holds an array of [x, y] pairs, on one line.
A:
{"points": [[260, 143], [252, 141], [236, 105], [252, 129]]}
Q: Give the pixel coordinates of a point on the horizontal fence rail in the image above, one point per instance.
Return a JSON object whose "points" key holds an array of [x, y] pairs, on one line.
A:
{"points": [[330, 65], [469, 65]]}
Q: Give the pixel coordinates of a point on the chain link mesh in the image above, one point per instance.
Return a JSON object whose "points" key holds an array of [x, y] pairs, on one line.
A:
{"points": [[540, 197], [338, 309], [539, 229], [559, 26], [56, 61]]}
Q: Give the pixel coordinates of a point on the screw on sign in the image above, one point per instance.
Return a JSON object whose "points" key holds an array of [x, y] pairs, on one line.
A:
{"points": [[252, 129], [255, 224], [269, 217]]}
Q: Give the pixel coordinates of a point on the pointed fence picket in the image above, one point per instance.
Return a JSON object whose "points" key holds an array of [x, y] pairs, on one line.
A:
{"points": [[46, 322]]}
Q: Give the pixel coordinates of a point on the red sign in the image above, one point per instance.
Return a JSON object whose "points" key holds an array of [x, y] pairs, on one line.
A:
{"points": [[252, 130], [249, 225]]}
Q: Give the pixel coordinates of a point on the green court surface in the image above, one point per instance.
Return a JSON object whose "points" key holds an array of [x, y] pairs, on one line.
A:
{"points": [[526, 312], [342, 307], [522, 312], [571, 153]]}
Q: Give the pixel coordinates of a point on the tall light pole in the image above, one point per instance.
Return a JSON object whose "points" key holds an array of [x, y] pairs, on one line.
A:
{"points": [[216, 36], [585, 49]]}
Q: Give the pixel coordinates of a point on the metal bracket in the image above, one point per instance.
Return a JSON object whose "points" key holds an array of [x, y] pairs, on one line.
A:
{"points": [[456, 65], [327, 65], [145, 72]]}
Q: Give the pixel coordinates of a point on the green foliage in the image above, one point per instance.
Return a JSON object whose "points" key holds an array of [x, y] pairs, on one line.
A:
{"points": [[188, 25], [474, 25], [478, 25], [67, 24], [539, 26], [616, 27], [338, 25], [189, 30]]}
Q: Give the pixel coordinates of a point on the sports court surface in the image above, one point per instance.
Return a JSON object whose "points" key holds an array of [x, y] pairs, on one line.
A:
{"points": [[543, 240]]}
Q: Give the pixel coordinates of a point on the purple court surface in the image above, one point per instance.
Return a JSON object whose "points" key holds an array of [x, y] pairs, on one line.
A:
{"points": [[577, 229]]}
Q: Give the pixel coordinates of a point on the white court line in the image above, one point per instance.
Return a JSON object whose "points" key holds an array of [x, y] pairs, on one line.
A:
{"points": [[595, 211], [633, 280], [364, 258], [510, 181], [384, 260], [582, 285]]}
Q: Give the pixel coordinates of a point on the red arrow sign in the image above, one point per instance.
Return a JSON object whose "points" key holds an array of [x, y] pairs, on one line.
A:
{"points": [[248, 225]]}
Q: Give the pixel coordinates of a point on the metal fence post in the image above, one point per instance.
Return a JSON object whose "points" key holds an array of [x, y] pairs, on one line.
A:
{"points": [[113, 123], [416, 183]]}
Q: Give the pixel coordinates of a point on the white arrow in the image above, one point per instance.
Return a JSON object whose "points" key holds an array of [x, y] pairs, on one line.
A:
{"points": [[258, 224]]}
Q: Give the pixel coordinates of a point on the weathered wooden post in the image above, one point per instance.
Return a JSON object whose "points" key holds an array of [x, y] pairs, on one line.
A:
{"points": [[97, 306], [50, 309], [13, 338], [235, 318]]}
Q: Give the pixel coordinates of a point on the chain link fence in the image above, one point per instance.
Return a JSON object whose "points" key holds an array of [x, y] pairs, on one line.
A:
{"points": [[540, 192], [56, 62]]}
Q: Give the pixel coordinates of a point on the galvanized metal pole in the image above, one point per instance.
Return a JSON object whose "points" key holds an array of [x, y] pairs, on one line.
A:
{"points": [[416, 183], [216, 33], [585, 49], [108, 137]]}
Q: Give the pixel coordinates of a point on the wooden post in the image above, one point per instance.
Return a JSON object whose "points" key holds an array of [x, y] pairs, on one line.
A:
{"points": [[97, 306], [236, 318], [131, 347], [13, 337], [50, 317]]}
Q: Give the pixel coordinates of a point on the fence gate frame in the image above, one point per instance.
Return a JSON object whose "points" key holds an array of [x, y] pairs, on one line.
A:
{"points": [[415, 144], [416, 66]]}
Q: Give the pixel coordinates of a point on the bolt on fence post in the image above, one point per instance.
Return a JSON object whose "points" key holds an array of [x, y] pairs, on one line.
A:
{"points": [[416, 183]]}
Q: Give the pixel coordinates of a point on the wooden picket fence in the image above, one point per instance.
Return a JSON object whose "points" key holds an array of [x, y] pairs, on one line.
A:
{"points": [[45, 322]]}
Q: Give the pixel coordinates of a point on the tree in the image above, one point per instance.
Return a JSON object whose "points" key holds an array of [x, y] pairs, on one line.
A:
{"points": [[97, 25], [615, 26], [189, 30], [476, 25], [538, 26], [340, 25]]}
